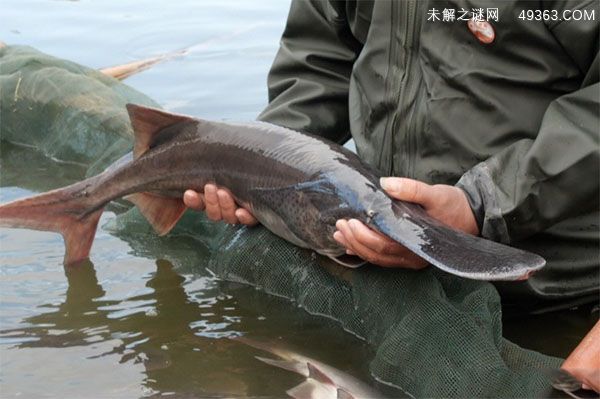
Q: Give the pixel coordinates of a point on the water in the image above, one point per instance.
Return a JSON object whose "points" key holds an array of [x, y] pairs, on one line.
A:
{"points": [[224, 81], [134, 324]]}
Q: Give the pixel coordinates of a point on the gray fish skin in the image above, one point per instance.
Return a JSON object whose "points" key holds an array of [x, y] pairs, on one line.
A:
{"points": [[297, 185], [322, 380]]}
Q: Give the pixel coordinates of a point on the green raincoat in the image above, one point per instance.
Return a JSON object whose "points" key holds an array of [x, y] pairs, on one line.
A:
{"points": [[511, 119]]}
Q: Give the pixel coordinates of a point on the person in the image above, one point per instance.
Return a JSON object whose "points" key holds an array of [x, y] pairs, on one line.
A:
{"points": [[488, 118]]}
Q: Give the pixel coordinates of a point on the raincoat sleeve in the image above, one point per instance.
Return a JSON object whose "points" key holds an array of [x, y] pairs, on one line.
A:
{"points": [[534, 184], [309, 80]]}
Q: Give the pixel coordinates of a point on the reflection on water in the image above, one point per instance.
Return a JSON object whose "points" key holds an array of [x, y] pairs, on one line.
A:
{"points": [[175, 333], [166, 329]]}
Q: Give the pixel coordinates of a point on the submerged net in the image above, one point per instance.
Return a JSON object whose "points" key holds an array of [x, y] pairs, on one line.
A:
{"points": [[432, 334]]}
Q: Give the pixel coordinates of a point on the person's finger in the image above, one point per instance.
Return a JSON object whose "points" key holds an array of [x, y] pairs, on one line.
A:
{"points": [[408, 190], [352, 244], [213, 209], [245, 217], [227, 205], [371, 256], [193, 200], [374, 240], [339, 237], [584, 362]]}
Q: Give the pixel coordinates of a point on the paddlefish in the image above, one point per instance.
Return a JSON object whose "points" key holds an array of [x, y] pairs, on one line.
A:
{"points": [[296, 184], [322, 380]]}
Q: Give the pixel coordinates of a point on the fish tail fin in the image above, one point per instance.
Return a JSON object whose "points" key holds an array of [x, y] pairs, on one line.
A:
{"points": [[66, 211], [454, 251], [79, 236]]}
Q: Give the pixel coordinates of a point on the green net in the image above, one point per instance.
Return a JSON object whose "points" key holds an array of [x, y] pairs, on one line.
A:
{"points": [[89, 123], [419, 323], [432, 334]]}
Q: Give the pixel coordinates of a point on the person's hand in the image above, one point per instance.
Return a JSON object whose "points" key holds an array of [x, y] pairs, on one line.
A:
{"points": [[447, 204], [584, 362], [218, 203]]}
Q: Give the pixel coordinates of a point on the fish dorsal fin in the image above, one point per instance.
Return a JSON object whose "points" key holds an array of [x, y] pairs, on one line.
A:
{"points": [[316, 374], [147, 123]]}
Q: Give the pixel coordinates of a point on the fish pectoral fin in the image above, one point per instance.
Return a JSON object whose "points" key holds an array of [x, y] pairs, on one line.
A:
{"points": [[317, 191], [147, 123], [312, 389], [348, 260], [162, 212], [290, 365]]}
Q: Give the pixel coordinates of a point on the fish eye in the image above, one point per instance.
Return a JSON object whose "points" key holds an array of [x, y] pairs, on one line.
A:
{"points": [[370, 213]]}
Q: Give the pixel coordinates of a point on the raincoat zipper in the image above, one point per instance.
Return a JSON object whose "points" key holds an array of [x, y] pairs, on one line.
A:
{"points": [[393, 86], [404, 94]]}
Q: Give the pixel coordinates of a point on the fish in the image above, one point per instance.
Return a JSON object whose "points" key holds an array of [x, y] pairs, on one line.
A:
{"points": [[296, 184], [123, 71], [322, 380], [562, 380]]}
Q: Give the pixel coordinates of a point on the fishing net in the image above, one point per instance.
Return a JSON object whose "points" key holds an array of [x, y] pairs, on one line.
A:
{"points": [[432, 334], [88, 124]]}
